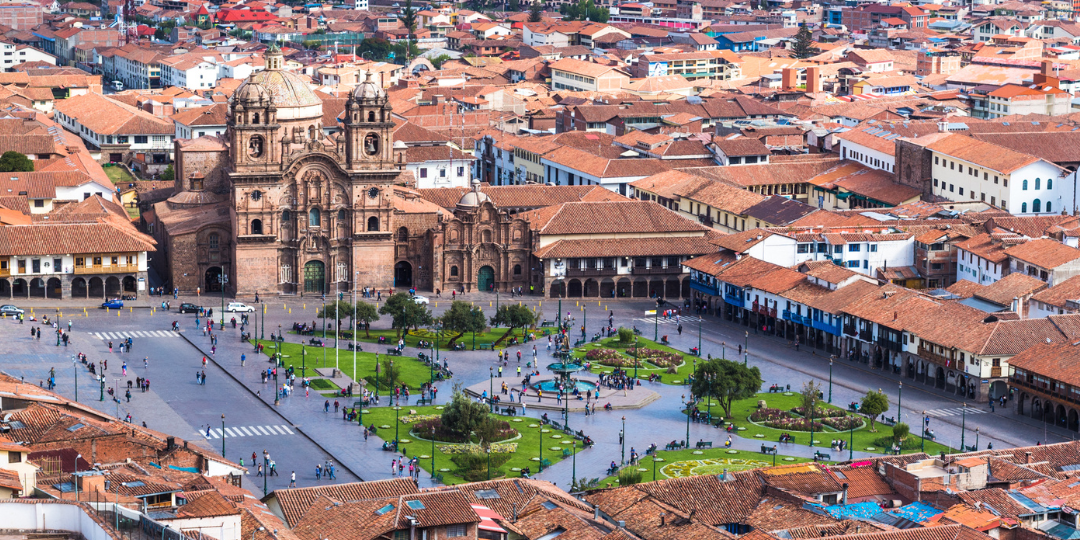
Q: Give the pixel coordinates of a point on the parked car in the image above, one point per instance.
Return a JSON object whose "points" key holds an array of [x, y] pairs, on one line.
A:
{"points": [[188, 307], [239, 306], [115, 303], [8, 309], [423, 300]]}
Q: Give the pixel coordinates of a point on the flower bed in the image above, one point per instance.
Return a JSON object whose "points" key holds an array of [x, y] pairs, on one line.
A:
{"points": [[610, 357], [412, 418], [498, 448], [658, 358], [820, 412], [781, 419], [843, 423], [766, 414], [432, 428]]}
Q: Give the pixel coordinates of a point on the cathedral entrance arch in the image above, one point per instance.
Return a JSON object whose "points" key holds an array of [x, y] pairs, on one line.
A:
{"points": [[485, 279], [212, 280], [314, 277], [403, 274]]}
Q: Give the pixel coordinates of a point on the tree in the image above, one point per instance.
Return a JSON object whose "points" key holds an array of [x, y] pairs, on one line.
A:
{"points": [[514, 5], [438, 60], [803, 45], [900, 432], [515, 316], [406, 312], [727, 381], [463, 415], [389, 373], [463, 317], [626, 336], [408, 18], [536, 11], [168, 174], [13, 161], [874, 404], [338, 310], [366, 314], [585, 10], [810, 394]]}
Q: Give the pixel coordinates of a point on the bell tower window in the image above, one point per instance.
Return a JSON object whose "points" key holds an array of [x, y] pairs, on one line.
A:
{"points": [[371, 116], [255, 119]]}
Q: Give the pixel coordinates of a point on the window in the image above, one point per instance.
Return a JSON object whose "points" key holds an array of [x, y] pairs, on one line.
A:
{"points": [[214, 239], [1036, 206], [38, 203], [314, 218], [1024, 186], [256, 226], [403, 234], [114, 260], [373, 224], [455, 530], [35, 265], [453, 271], [1037, 181], [517, 269], [442, 172], [461, 171], [97, 262], [873, 248], [1049, 183], [14, 457], [852, 248], [1023, 208], [803, 248], [1048, 210], [286, 273], [140, 139], [423, 172], [961, 191], [342, 218]]}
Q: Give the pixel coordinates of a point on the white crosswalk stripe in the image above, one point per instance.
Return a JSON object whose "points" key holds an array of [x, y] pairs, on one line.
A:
{"points": [[249, 431], [957, 411], [117, 336], [684, 320]]}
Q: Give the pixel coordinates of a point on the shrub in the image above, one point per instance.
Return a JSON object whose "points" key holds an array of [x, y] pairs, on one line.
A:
{"points": [[626, 335], [781, 419], [820, 412], [433, 428], [900, 432], [477, 466], [843, 423], [629, 476]]}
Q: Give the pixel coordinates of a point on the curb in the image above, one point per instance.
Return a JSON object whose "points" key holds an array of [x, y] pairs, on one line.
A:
{"points": [[275, 411]]}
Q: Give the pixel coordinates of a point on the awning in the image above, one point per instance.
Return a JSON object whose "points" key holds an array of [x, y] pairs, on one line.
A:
{"points": [[487, 518]]}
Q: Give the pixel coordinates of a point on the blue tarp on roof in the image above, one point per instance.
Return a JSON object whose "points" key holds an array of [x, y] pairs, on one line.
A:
{"points": [[185, 469], [917, 512], [1060, 530], [863, 510]]}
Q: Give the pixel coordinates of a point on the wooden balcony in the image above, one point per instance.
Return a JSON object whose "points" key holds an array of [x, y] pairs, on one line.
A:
{"points": [[995, 371], [113, 269], [933, 357], [591, 272]]}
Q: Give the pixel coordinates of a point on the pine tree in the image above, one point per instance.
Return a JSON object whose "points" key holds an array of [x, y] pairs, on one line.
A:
{"points": [[804, 43], [408, 18], [536, 11]]}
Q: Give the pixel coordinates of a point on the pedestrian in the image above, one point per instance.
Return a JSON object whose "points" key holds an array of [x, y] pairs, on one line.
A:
{"points": [[326, 406], [260, 470], [330, 471], [146, 362], [243, 358], [110, 343], [124, 368], [292, 480], [204, 377], [318, 471], [393, 468]]}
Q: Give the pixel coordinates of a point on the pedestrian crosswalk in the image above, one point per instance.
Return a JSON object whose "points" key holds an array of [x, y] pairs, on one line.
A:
{"points": [[956, 411], [685, 320], [135, 334], [249, 431]]}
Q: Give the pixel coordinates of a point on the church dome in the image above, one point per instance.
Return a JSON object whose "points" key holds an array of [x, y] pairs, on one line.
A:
{"points": [[251, 93], [289, 93], [368, 90], [473, 198]]}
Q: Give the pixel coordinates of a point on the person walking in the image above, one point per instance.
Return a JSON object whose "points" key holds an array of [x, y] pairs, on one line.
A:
{"points": [[260, 470], [318, 471], [292, 480]]}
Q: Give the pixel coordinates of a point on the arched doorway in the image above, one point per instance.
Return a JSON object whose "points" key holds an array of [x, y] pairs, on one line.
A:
{"points": [[671, 289], [607, 288], [37, 288], [656, 288], [592, 288], [1074, 420], [641, 288], [53, 289], [112, 286], [573, 289], [129, 284], [624, 288], [940, 378], [5, 288], [558, 289], [403, 274], [485, 279], [97, 287], [78, 288], [314, 277], [212, 280], [19, 288]]}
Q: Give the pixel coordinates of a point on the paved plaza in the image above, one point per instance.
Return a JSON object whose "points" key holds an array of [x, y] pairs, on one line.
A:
{"points": [[298, 433]]}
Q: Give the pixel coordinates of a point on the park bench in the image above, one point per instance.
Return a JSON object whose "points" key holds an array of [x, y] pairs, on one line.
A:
{"points": [[672, 446], [971, 448], [612, 470], [566, 452], [393, 352], [888, 420], [315, 342], [579, 342], [694, 351], [768, 450], [358, 348], [547, 323], [704, 444], [423, 357], [556, 425], [512, 411], [423, 401], [818, 456], [927, 434], [484, 346]]}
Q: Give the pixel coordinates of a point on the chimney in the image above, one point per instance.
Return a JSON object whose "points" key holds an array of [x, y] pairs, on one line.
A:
{"points": [[94, 482], [596, 512], [1027, 457], [943, 127], [845, 486], [170, 443], [813, 79], [789, 78], [662, 514], [1048, 68]]}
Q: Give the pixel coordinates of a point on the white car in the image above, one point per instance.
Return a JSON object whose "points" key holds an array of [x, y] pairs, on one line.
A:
{"points": [[238, 306], [420, 299]]}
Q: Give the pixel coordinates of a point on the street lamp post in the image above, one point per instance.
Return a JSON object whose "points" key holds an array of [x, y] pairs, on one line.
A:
{"points": [[635, 359], [699, 335], [708, 397], [75, 366], [277, 346], [976, 439], [963, 425], [622, 439], [812, 424], [223, 279], [540, 467], [656, 320], [831, 358], [573, 470], [222, 435], [303, 360], [323, 331], [899, 397], [392, 382], [491, 388], [262, 334], [101, 379], [723, 350], [851, 442], [655, 459], [687, 420], [922, 444], [397, 424], [746, 348], [266, 469]]}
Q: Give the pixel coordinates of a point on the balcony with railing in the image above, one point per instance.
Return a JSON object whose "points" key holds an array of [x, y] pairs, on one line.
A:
{"points": [[1057, 392], [849, 330], [641, 270], [865, 334], [929, 355], [591, 272]]}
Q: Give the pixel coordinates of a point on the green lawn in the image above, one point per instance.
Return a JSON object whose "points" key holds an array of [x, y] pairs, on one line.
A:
{"points": [[414, 336], [864, 440], [646, 369], [412, 371], [118, 175], [528, 445], [679, 463]]}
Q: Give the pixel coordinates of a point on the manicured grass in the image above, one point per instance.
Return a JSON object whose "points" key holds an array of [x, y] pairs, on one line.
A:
{"points": [[118, 175], [528, 445], [864, 439], [646, 369], [323, 384], [412, 372], [414, 336], [709, 461]]}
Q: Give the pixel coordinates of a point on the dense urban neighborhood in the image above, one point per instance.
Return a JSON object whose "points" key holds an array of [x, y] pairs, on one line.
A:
{"points": [[768, 269]]}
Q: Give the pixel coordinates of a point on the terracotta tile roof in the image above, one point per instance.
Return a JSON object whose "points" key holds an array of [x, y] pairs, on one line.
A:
{"points": [[422, 154], [527, 196], [48, 239], [580, 67], [626, 247], [984, 246], [985, 154], [964, 288], [826, 271], [712, 263], [667, 183], [720, 195], [777, 211], [1011, 287], [1044, 253], [862, 482], [943, 532], [1013, 336], [775, 513], [1059, 293], [10, 479], [996, 498], [743, 240], [209, 505], [741, 146], [1030, 226], [813, 482], [610, 217], [295, 502], [765, 174], [108, 117], [879, 185]]}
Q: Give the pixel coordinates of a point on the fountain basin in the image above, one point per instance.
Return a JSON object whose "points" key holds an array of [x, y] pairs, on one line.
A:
{"points": [[553, 386]]}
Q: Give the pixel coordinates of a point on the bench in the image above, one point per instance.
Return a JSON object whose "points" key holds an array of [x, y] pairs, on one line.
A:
{"points": [[672, 446], [971, 448], [556, 425], [315, 342], [484, 346], [579, 342], [664, 341], [612, 470], [422, 357], [547, 323], [511, 411], [704, 444], [423, 401], [888, 420], [928, 435], [393, 352], [637, 332], [358, 348], [768, 450], [694, 351], [822, 457]]}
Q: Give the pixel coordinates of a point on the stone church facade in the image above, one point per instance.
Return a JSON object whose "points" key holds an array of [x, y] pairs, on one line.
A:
{"points": [[278, 207]]}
